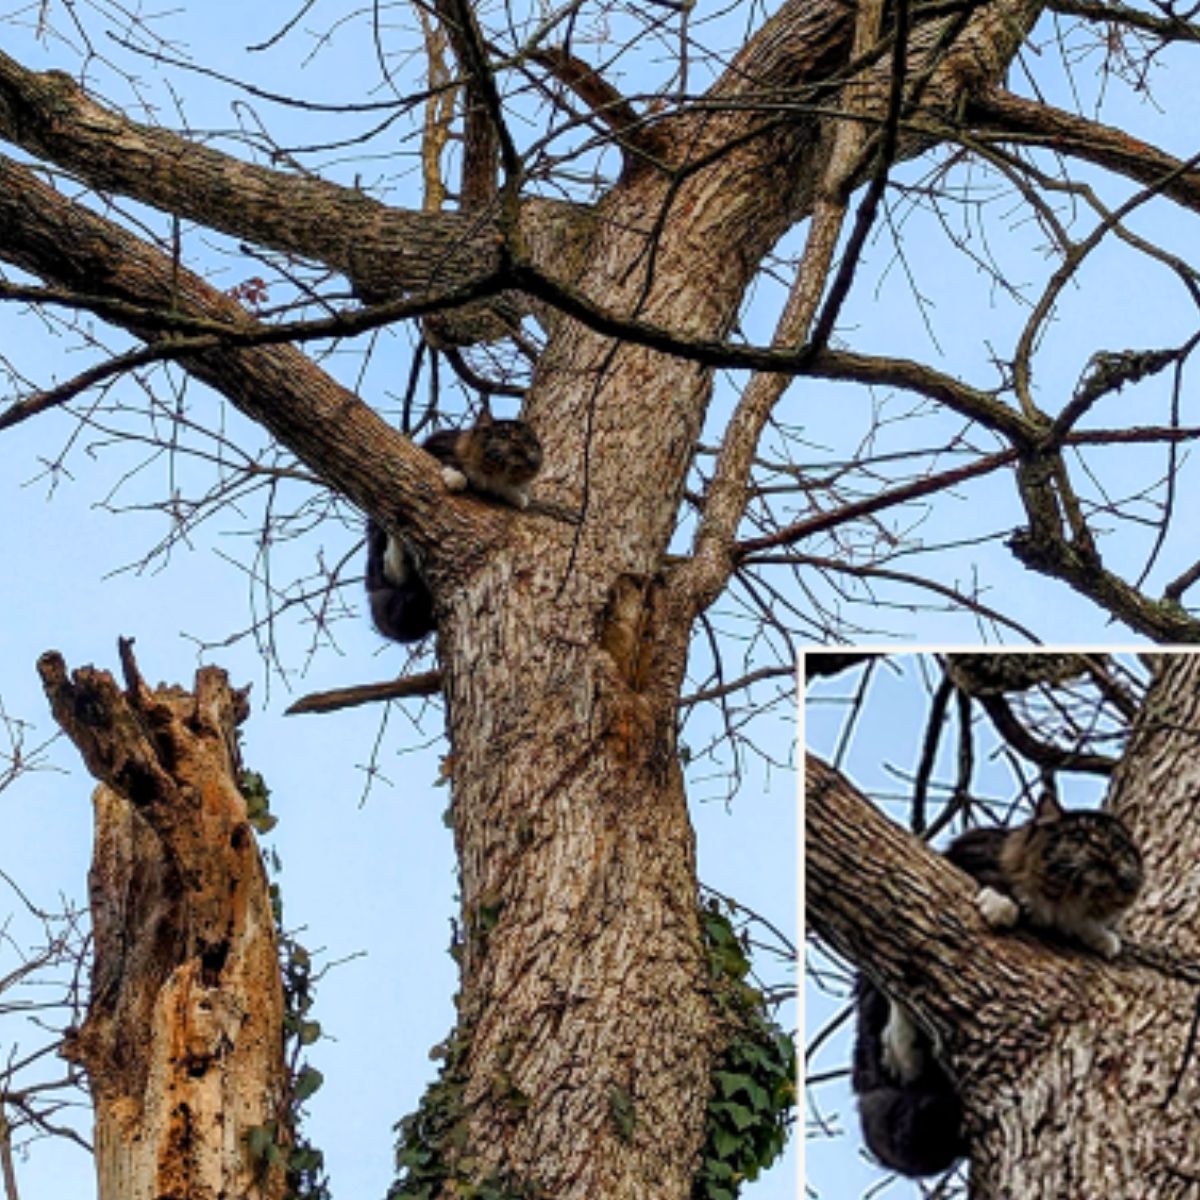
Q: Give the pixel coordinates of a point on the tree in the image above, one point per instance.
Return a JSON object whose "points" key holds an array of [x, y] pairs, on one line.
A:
{"points": [[184, 1037], [595, 258], [594, 1024], [1097, 1058]]}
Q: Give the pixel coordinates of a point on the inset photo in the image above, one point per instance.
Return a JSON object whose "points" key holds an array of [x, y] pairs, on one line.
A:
{"points": [[1002, 893]]}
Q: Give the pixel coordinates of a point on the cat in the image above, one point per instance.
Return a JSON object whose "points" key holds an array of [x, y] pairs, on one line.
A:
{"points": [[400, 599], [1070, 873], [1067, 873], [495, 458]]}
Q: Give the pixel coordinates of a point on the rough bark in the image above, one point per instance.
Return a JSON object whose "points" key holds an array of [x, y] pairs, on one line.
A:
{"points": [[1000, 115], [183, 1041], [1079, 1076]]}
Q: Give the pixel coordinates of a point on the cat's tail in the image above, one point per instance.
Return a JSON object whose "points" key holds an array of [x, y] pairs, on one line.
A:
{"points": [[911, 1114], [914, 1129]]}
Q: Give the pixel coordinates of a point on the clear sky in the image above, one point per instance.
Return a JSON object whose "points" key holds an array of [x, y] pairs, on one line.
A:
{"points": [[372, 877]]}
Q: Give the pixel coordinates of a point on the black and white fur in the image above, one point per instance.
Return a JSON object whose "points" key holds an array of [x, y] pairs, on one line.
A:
{"points": [[911, 1114], [493, 458], [400, 599]]}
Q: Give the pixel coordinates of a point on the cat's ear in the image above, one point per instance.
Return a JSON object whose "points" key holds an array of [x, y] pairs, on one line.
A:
{"points": [[484, 419], [1048, 808]]}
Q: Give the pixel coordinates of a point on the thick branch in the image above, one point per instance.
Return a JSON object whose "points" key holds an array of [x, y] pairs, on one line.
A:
{"points": [[326, 426], [1001, 116], [383, 251], [877, 895], [638, 138]]}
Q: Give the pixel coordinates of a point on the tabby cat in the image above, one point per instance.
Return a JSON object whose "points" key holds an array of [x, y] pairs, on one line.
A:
{"points": [[1068, 873], [495, 458]]}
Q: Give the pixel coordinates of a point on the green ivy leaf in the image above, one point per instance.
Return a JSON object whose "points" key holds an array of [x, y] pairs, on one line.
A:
{"points": [[740, 1115], [725, 1142], [307, 1082], [730, 1082], [759, 1096], [305, 1158], [259, 1141]]}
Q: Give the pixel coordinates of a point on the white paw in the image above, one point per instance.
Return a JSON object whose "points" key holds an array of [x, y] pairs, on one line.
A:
{"points": [[454, 479], [998, 910], [1103, 941]]}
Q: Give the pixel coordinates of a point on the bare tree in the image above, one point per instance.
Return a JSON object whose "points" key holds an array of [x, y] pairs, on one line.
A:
{"points": [[592, 250], [1097, 1057]]}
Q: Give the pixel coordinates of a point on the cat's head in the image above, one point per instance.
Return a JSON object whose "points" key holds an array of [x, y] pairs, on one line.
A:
{"points": [[507, 449], [1084, 857]]}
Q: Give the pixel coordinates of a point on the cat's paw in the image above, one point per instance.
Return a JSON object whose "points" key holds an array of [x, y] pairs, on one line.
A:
{"points": [[454, 479], [997, 909], [1104, 941]]}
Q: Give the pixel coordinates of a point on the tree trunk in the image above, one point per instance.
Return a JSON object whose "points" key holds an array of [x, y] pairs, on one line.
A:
{"points": [[584, 988], [183, 1041], [1079, 1077]]}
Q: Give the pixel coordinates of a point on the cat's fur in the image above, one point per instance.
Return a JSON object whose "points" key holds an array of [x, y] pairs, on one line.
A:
{"points": [[496, 458], [1071, 873], [400, 599], [1068, 873], [911, 1115]]}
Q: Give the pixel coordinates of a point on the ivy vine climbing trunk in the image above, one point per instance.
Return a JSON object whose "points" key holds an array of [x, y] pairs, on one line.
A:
{"points": [[183, 1041]]}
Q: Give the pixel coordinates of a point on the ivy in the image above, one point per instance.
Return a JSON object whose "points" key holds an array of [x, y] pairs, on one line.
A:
{"points": [[751, 1106], [430, 1139], [281, 1142], [432, 1155]]}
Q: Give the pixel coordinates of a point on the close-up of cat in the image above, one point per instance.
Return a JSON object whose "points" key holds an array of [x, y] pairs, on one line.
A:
{"points": [[1071, 873], [999, 1000], [492, 458]]}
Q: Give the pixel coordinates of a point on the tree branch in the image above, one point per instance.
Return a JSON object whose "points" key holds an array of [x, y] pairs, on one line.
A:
{"points": [[877, 895], [327, 427], [383, 251], [1169, 28], [428, 683], [1001, 116], [1045, 754], [638, 139]]}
